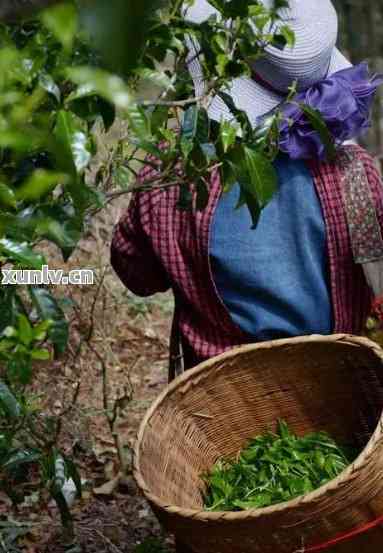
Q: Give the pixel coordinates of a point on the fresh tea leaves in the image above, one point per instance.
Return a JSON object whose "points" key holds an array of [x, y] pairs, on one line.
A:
{"points": [[275, 468]]}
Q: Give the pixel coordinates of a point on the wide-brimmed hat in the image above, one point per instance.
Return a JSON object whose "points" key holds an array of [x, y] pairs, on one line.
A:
{"points": [[313, 58]]}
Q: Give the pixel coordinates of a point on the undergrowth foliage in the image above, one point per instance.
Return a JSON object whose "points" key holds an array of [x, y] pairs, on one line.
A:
{"points": [[45, 147], [54, 89]]}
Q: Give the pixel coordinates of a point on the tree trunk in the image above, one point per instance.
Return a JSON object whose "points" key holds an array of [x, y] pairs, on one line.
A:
{"points": [[16, 9]]}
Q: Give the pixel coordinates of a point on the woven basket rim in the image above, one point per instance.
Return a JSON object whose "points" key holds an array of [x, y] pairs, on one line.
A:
{"points": [[312, 497]]}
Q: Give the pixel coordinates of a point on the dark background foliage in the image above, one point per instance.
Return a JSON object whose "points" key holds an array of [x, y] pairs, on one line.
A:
{"points": [[361, 38]]}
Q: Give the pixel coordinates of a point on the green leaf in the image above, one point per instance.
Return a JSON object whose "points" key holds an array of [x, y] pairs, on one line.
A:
{"points": [[39, 184], [252, 205], [263, 178], [7, 196], [202, 198], [283, 430], [288, 34], [21, 253], [189, 124], [186, 146], [279, 4], [185, 200], [318, 123], [256, 176], [189, 130], [228, 134], [109, 86], [138, 122], [203, 126], [19, 366], [48, 309], [123, 177], [73, 152], [8, 402], [260, 15], [273, 468], [245, 130], [40, 330], [40, 355], [59, 224], [159, 118], [47, 221], [243, 197], [266, 134], [233, 8], [155, 77], [17, 227], [120, 31], [279, 41], [65, 233], [25, 330], [19, 140], [22, 457], [61, 20], [90, 107], [74, 142], [83, 91], [220, 43], [228, 175], [154, 150], [9, 332], [47, 83], [9, 306]]}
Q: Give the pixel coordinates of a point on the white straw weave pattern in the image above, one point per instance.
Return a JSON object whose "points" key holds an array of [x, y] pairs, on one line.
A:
{"points": [[313, 57]]}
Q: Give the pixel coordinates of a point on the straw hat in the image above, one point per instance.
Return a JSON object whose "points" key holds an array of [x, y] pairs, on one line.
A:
{"points": [[313, 58]]}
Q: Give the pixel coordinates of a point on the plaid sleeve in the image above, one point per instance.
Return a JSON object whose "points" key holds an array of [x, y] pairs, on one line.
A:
{"points": [[132, 256]]}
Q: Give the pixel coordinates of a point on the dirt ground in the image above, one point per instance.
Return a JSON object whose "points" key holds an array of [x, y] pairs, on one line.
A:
{"points": [[117, 363]]}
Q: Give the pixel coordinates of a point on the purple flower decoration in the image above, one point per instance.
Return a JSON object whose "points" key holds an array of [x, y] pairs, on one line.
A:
{"points": [[344, 100]]}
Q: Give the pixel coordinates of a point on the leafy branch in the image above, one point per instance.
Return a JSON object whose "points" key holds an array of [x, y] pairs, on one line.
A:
{"points": [[58, 84]]}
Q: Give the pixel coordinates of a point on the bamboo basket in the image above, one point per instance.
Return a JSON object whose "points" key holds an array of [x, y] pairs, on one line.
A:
{"points": [[332, 383]]}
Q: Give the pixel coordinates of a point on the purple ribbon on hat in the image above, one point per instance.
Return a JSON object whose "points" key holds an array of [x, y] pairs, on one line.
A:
{"points": [[344, 100]]}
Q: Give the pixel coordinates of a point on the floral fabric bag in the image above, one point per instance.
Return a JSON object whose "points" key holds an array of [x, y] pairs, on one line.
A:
{"points": [[364, 229]]}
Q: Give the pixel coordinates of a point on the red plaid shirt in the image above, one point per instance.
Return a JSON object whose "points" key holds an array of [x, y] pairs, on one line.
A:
{"points": [[157, 246]]}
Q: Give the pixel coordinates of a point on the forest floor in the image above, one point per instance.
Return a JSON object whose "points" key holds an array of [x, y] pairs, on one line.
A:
{"points": [[116, 364]]}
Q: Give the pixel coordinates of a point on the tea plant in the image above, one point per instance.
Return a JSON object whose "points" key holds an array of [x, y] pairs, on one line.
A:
{"points": [[54, 88], [45, 148]]}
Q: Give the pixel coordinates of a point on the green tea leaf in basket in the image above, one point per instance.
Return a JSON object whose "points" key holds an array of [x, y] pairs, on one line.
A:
{"points": [[274, 468]]}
